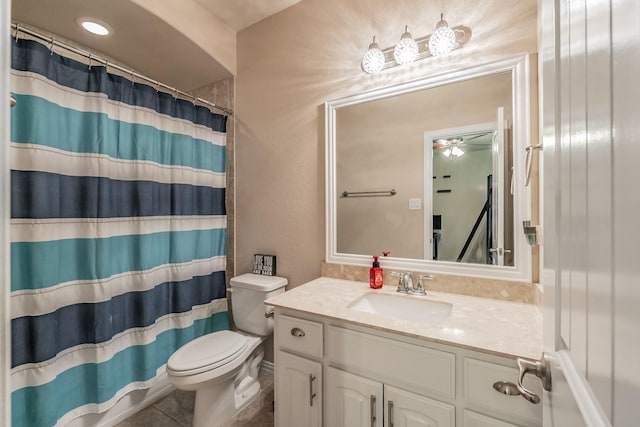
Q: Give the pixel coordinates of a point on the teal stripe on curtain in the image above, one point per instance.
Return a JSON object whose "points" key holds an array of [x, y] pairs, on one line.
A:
{"points": [[91, 132], [32, 406], [38, 265]]}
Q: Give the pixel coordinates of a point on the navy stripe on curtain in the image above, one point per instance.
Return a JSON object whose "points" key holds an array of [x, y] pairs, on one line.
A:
{"points": [[54, 332], [47, 195], [118, 248]]}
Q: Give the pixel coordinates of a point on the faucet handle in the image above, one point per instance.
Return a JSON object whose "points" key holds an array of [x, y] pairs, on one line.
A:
{"points": [[408, 282], [402, 287], [419, 290]]}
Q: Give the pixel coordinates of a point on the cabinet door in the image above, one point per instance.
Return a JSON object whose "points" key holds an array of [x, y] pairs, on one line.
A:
{"points": [[404, 409], [352, 401], [298, 391]]}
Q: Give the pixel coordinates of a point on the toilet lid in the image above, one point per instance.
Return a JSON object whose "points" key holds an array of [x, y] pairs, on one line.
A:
{"points": [[208, 352]]}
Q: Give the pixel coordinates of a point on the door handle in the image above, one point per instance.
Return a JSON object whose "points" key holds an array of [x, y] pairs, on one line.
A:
{"points": [[390, 412], [312, 378], [529, 162], [372, 401], [500, 251], [540, 369]]}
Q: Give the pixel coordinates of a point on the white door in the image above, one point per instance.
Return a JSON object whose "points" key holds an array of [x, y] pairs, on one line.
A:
{"points": [[352, 401], [498, 188], [591, 268], [298, 391]]}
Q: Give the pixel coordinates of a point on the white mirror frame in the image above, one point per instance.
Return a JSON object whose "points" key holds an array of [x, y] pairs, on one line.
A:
{"points": [[518, 66]]}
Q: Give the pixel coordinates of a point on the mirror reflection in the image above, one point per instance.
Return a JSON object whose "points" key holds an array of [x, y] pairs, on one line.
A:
{"points": [[469, 221], [446, 153]]}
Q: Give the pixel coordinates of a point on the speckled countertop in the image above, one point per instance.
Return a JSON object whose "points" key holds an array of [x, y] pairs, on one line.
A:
{"points": [[491, 326]]}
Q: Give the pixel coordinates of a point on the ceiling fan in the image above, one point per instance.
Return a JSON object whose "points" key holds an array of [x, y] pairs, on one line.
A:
{"points": [[455, 145]]}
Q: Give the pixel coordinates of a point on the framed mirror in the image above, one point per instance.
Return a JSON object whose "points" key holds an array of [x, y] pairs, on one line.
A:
{"points": [[433, 171]]}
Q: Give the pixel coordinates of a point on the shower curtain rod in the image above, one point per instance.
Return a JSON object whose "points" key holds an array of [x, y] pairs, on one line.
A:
{"points": [[19, 28]]}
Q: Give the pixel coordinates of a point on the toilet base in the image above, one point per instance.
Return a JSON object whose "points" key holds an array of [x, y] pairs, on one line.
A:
{"points": [[219, 400], [245, 392]]}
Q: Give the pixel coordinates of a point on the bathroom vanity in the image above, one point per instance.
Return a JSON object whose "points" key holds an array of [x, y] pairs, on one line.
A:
{"points": [[344, 359]]}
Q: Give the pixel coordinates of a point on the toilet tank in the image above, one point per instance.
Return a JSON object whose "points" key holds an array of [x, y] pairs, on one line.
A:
{"points": [[248, 293]]}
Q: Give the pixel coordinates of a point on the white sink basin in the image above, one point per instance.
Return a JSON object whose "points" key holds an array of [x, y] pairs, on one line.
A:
{"points": [[415, 308]]}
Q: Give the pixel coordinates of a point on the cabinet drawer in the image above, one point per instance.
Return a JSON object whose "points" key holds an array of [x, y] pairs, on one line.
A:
{"points": [[299, 335], [405, 365], [479, 393], [472, 419]]}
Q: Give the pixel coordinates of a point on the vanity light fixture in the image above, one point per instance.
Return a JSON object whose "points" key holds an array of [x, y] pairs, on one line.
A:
{"points": [[93, 26], [443, 40]]}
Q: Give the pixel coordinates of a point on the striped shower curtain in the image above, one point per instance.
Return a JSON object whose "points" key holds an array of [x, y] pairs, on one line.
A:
{"points": [[118, 234]]}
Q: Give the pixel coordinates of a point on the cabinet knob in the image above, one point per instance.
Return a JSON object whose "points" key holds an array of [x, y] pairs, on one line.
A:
{"points": [[297, 332], [506, 387]]}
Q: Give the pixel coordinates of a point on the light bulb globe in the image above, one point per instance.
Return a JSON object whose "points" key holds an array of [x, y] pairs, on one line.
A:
{"points": [[406, 51], [442, 41], [373, 60]]}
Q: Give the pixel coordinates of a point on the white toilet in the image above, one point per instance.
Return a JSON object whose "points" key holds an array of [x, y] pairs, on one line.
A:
{"points": [[222, 367]]}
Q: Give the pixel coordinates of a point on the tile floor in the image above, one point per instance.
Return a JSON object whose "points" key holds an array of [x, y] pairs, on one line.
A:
{"points": [[176, 410]]}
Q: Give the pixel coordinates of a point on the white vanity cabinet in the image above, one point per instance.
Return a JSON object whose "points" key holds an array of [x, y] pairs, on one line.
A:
{"points": [[298, 372], [332, 373], [299, 384], [354, 401]]}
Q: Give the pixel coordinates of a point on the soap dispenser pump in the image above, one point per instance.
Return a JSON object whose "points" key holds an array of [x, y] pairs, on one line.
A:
{"points": [[375, 274]]}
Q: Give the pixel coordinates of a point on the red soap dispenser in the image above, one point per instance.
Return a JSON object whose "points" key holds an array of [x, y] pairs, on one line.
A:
{"points": [[375, 274]]}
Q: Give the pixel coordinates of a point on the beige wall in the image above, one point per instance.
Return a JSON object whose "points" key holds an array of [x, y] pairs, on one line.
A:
{"points": [[290, 64], [204, 29]]}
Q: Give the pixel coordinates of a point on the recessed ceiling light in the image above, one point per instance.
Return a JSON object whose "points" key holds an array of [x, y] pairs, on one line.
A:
{"points": [[93, 26]]}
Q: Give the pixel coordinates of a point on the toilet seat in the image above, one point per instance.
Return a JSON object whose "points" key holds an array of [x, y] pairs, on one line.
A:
{"points": [[207, 352]]}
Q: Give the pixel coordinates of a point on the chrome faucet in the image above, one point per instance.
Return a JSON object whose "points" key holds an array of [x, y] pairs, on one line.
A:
{"points": [[407, 286]]}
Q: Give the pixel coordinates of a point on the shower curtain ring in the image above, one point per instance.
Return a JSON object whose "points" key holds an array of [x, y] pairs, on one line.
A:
{"points": [[51, 47], [17, 32], [89, 61]]}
